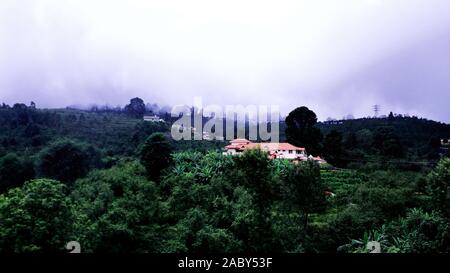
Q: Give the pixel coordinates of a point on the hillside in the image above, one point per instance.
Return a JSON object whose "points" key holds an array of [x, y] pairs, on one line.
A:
{"points": [[397, 139], [114, 181], [25, 131]]}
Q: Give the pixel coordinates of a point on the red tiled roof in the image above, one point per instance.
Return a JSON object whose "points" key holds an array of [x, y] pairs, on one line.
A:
{"points": [[236, 146], [275, 146], [243, 144]]}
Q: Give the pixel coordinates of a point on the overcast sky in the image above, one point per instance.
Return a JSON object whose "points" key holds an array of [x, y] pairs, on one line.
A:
{"points": [[336, 57]]}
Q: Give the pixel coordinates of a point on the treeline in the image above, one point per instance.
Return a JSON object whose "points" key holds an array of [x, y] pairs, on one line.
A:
{"points": [[98, 139], [211, 203], [396, 141], [25, 129], [394, 136]]}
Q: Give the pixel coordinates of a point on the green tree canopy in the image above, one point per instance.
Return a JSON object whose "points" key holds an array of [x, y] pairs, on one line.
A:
{"points": [[304, 188], [439, 183], [332, 148], [35, 218], [301, 130], [156, 155], [136, 108], [65, 160], [254, 172], [386, 141], [14, 171], [117, 210]]}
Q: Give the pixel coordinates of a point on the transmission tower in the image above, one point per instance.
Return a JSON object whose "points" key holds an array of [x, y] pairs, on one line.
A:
{"points": [[376, 109]]}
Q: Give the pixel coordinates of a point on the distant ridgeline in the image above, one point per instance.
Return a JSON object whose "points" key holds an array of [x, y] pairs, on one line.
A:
{"points": [[25, 130], [416, 138]]}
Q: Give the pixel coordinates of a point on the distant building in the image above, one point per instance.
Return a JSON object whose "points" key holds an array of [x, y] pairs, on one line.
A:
{"points": [[153, 118], [318, 159], [275, 150]]}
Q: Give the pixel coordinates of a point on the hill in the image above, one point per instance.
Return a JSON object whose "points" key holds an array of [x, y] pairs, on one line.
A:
{"points": [[396, 136]]}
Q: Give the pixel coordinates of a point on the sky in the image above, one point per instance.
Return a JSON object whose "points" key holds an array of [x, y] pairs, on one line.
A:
{"points": [[338, 58]]}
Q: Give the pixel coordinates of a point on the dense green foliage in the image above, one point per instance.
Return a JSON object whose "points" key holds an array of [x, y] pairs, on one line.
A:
{"points": [[136, 108], [119, 187], [14, 171], [301, 130], [401, 141], [156, 155], [36, 217], [66, 160]]}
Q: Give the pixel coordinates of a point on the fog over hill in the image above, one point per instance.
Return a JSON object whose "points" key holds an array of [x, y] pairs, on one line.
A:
{"points": [[338, 58]]}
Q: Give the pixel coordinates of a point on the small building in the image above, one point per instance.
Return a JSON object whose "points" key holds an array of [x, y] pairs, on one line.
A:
{"points": [[153, 118], [317, 159]]}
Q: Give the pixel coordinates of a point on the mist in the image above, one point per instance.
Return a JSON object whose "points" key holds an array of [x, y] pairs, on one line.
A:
{"points": [[336, 57]]}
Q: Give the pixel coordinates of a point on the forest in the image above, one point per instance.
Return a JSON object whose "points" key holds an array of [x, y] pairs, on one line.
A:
{"points": [[117, 184]]}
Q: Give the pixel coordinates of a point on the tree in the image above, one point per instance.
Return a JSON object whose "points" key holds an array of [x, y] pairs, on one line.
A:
{"points": [[422, 232], [35, 218], [387, 142], [14, 172], [156, 155], [391, 117], [117, 210], [438, 184], [64, 160], [254, 173], [136, 108], [364, 138], [304, 188], [332, 148], [301, 130]]}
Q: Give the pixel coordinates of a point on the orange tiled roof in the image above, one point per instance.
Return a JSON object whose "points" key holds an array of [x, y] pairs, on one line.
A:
{"points": [[274, 146], [244, 144]]}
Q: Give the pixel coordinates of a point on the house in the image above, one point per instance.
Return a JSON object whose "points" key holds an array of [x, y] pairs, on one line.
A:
{"points": [[236, 146], [275, 150], [317, 159], [153, 118]]}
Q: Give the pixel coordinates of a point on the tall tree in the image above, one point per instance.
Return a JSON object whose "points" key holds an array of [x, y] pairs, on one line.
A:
{"points": [[332, 148], [304, 188], [387, 142], [156, 155], [439, 183], [255, 174], [301, 130], [136, 108]]}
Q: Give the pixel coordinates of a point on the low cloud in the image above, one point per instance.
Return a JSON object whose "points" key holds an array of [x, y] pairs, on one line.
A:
{"points": [[338, 57]]}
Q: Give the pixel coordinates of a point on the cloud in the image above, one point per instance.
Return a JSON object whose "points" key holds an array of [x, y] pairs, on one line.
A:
{"points": [[61, 52]]}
